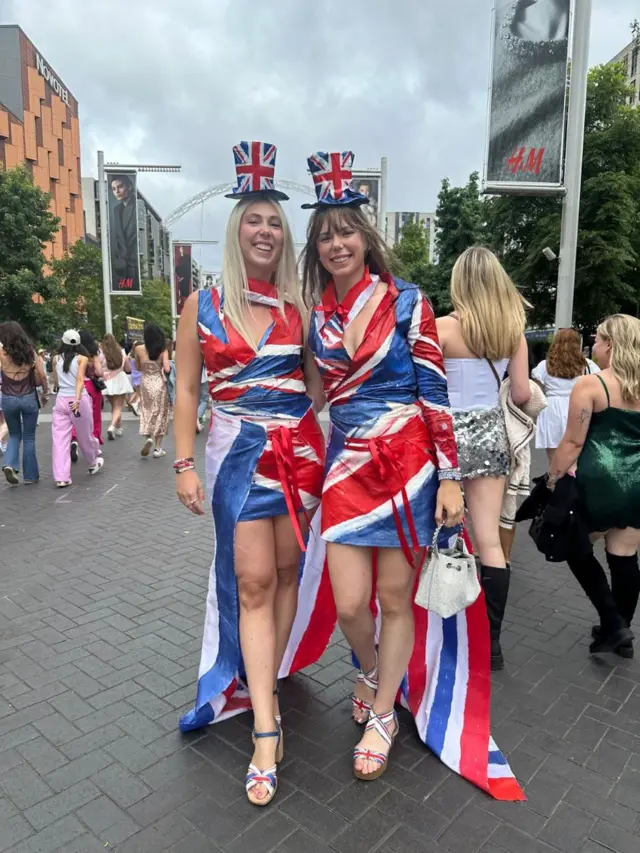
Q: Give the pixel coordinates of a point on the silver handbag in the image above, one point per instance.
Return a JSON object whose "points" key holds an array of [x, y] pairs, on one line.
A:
{"points": [[448, 580]]}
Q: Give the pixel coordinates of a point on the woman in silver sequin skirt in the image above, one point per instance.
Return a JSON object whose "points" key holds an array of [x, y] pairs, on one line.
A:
{"points": [[481, 341]]}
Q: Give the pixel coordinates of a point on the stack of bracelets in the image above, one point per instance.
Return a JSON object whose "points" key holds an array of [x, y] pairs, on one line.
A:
{"points": [[182, 465]]}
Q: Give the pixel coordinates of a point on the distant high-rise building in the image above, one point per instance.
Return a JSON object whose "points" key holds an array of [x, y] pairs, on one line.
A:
{"points": [[630, 59], [396, 221], [40, 129]]}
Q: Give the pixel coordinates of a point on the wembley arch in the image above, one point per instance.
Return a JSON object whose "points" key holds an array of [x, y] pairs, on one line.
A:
{"points": [[220, 189]]}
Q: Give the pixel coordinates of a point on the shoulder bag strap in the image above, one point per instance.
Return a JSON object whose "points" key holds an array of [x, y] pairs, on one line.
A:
{"points": [[494, 371]]}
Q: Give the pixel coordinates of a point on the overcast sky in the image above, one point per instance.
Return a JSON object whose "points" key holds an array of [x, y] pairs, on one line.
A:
{"points": [[181, 81]]}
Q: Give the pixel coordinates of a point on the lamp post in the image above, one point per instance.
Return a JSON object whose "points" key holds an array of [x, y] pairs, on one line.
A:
{"points": [[573, 163], [104, 225]]}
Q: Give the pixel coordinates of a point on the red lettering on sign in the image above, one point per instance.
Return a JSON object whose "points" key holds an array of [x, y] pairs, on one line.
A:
{"points": [[126, 284], [532, 164]]}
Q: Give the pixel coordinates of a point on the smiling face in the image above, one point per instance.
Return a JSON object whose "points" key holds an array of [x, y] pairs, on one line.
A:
{"points": [[341, 248], [261, 239]]}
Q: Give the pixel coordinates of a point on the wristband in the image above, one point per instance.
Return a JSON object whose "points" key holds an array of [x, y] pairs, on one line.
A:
{"points": [[450, 474], [181, 465]]}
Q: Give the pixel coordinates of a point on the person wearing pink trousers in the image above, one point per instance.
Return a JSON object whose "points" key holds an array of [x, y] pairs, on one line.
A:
{"points": [[73, 410]]}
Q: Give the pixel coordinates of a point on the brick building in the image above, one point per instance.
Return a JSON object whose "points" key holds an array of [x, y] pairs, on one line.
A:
{"points": [[39, 127]]}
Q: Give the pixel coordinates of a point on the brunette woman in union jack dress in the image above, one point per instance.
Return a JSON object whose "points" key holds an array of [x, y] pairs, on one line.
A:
{"points": [[392, 471], [265, 458]]}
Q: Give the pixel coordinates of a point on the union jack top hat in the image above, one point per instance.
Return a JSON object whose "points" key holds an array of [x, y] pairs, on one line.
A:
{"points": [[255, 170], [332, 178]]}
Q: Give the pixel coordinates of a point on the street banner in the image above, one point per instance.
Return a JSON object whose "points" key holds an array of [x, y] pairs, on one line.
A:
{"points": [[209, 279], [134, 328], [124, 252], [368, 183], [527, 99], [183, 274]]}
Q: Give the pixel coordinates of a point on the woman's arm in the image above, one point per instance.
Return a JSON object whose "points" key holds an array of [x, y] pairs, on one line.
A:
{"points": [[83, 361], [581, 405], [434, 398], [97, 366], [188, 374], [41, 376], [313, 381], [166, 366], [518, 371]]}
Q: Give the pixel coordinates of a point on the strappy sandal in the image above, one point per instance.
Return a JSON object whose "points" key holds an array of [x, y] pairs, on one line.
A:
{"points": [[278, 719], [370, 680], [380, 723], [268, 778]]}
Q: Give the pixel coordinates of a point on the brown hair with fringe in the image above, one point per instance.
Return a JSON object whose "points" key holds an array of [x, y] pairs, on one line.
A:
{"points": [[565, 359], [315, 278]]}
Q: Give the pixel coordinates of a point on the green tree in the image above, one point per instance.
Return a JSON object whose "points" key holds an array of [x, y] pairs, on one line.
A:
{"points": [[460, 223], [80, 274], [608, 259], [410, 257], [26, 224]]}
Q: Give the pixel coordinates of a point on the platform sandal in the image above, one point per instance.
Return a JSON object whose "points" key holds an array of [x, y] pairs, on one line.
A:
{"points": [[380, 723], [269, 777], [370, 680]]}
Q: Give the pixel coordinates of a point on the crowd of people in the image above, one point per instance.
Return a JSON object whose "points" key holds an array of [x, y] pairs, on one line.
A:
{"points": [[84, 375], [430, 429]]}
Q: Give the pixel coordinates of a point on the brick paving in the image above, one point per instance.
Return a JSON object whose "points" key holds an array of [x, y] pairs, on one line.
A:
{"points": [[101, 607]]}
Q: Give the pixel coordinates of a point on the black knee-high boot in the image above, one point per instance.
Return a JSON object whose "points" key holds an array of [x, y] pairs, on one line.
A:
{"points": [[614, 631], [495, 583], [625, 586]]}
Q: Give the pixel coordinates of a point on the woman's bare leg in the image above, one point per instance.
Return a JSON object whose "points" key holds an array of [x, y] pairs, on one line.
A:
{"points": [[484, 498], [395, 594], [350, 572], [117, 403], [255, 568]]}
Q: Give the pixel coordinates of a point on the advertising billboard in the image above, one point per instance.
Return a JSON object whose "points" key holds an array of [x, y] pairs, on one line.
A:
{"points": [[525, 137], [124, 251], [368, 183], [183, 274]]}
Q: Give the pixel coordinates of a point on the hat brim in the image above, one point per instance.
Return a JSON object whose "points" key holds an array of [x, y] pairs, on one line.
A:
{"points": [[353, 202], [267, 195]]}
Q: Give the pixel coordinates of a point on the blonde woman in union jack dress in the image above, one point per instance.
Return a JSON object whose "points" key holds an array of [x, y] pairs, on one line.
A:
{"points": [[392, 478], [264, 460]]}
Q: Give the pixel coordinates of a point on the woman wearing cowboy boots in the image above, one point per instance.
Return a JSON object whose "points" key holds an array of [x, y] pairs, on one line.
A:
{"points": [[264, 461], [392, 465]]}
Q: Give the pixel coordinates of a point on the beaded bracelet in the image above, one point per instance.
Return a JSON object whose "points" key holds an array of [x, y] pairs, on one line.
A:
{"points": [[450, 474], [182, 465]]}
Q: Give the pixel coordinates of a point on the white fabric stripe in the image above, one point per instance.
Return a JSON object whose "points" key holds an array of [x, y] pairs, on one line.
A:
{"points": [[432, 663], [219, 443], [429, 365], [361, 301], [343, 470], [500, 771], [452, 748], [414, 485], [309, 501], [273, 384], [307, 593]]}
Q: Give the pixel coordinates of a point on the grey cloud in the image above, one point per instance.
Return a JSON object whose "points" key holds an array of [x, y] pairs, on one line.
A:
{"points": [[169, 81]]}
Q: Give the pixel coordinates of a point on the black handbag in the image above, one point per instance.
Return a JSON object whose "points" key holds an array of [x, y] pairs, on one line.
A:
{"points": [[98, 383]]}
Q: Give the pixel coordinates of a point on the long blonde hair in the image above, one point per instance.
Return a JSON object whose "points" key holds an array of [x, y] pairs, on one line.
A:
{"points": [[234, 273], [623, 333], [489, 307]]}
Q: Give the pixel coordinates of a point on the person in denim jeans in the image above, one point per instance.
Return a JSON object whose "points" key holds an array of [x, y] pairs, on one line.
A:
{"points": [[22, 372]]}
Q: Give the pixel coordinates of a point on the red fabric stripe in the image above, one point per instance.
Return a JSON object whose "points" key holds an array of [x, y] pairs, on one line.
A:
{"points": [[417, 674], [320, 628], [507, 789]]}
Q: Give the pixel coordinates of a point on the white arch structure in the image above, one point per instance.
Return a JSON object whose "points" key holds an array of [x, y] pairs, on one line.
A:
{"points": [[219, 189]]}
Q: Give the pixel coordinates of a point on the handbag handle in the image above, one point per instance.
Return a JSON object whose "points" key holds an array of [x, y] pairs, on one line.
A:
{"points": [[436, 533]]}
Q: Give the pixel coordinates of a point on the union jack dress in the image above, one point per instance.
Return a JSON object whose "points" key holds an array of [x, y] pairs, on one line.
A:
{"points": [[391, 440], [265, 457]]}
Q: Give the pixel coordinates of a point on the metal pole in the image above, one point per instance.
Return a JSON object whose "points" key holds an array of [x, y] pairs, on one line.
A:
{"points": [[104, 244], [382, 201], [172, 280], [573, 163]]}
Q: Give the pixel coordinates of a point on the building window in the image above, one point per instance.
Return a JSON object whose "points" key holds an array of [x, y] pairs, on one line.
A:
{"points": [[60, 152], [634, 60]]}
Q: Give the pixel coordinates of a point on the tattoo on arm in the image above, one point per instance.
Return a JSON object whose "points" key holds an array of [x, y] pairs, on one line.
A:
{"points": [[584, 418]]}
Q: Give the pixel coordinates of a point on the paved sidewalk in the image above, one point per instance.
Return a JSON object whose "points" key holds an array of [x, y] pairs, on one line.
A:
{"points": [[101, 605]]}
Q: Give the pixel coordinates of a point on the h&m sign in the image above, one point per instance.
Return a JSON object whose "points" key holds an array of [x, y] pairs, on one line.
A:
{"points": [[44, 70]]}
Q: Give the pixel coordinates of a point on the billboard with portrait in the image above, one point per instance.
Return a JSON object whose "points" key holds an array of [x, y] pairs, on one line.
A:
{"points": [[368, 183], [525, 138], [183, 274], [124, 251]]}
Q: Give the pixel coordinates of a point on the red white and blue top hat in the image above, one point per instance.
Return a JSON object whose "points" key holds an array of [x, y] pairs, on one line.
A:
{"points": [[255, 170], [333, 180]]}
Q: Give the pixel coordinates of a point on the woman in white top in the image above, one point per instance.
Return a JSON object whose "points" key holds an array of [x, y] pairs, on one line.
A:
{"points": [[481, 340], [117, 366], [73, 410], [557, 375]]}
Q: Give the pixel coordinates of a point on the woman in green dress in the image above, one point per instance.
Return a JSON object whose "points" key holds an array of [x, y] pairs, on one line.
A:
{"points": [[603, 436]]}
